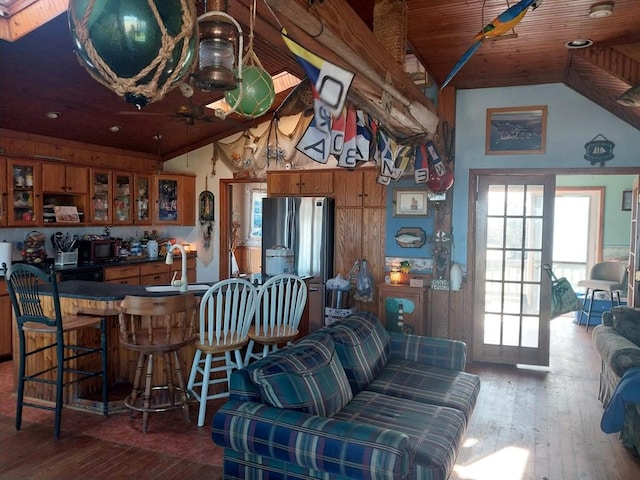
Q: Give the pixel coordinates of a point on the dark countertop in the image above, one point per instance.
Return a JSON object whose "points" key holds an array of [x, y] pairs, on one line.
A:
{"points": [[104, 291], [122, 263]]}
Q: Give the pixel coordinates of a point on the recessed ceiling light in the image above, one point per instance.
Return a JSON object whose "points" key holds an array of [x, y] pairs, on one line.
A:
{"points": [[114, 128], [579, 43], [601, 10], [52, 115]]}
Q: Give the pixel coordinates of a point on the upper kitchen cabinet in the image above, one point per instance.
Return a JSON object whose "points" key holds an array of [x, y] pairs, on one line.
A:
{"points": [[142, 191], [174, 199], [358, 188], [310, 183], [23, 193], [101, 193], [123, 208], [70, 179]]}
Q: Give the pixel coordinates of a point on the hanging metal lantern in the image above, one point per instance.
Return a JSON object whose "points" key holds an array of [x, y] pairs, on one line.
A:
{"points": [[599, 150], [139, 49]]}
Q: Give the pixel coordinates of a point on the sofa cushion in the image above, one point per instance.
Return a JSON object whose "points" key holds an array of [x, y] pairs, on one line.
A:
{"points": [[428, 384], [306, 376], [362, 344], [618, 352], [626, 321], [435, 432]]}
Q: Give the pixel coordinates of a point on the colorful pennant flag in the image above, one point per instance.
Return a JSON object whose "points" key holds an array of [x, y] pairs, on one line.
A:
{"points": [[315, 143], [347, 158], [337, 133], [363, 137], [330, 81]]}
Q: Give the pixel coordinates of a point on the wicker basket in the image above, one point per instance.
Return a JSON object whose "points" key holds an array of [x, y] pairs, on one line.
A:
{"points": [[390, 26]]}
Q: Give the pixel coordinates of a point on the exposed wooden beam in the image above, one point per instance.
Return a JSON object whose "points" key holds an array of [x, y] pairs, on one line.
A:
{"points": [[335, 32]]}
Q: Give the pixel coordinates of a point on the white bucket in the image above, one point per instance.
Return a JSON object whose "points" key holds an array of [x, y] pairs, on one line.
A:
{"points": [[278, 260]]}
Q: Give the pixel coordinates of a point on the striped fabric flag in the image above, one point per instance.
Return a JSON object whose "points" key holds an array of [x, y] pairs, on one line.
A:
{"points": [[330, 81], [364, 136], [421, 164], [337, 133], [347, 158]]}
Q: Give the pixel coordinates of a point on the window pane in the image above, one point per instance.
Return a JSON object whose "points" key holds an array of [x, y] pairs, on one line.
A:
{"points": [[495, 232], [511, 330], [494, 265], [496, 200], [492, 329], [514, 233], [530, 331], [515, 200]]}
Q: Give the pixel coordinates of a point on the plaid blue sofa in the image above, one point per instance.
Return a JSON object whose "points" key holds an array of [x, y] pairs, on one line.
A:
{"points": [[349, 401]]}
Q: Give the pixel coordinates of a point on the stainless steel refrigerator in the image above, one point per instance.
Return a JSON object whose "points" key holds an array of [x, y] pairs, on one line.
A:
{"points": [[305, 225]]}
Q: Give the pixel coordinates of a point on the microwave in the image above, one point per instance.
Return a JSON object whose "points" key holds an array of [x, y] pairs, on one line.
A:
{"points": [[99, 251]]}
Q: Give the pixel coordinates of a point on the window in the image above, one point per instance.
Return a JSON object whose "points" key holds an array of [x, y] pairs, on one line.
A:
{"points": [[256, 213]]}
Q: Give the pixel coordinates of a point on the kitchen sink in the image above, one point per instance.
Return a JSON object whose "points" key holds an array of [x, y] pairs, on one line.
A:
{"points": [[170, 288]]}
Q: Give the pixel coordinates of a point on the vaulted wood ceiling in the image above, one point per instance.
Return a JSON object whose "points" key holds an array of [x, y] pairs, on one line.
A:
{"points": [[39, 71]]}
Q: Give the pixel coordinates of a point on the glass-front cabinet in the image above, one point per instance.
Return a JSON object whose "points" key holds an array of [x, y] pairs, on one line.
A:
{"points": [[143, 199], [101, 196], [167, 190], [23, 179], [122, 198]]}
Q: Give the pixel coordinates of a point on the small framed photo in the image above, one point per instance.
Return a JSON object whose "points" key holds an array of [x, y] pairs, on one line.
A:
{"points": [[516, 130], [409, 202], [626, 200]]}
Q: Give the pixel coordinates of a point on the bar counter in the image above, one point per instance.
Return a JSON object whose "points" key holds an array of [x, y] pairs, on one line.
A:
{"points": [[101, 299]]}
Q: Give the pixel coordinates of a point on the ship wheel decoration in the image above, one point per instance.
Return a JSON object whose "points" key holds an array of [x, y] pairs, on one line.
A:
{"points": [[599, 150]]}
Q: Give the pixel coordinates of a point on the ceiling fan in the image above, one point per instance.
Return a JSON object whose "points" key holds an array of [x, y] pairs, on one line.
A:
{"points": [[187, 112]]}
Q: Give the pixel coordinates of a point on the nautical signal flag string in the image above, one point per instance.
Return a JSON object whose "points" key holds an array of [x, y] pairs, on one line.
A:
{"points": [[330, 81]]}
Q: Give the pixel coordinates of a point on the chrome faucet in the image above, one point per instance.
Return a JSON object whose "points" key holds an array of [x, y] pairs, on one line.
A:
{"points": [[182, 283]]}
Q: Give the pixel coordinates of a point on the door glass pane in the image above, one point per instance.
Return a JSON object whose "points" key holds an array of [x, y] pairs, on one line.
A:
{"points": [[535, 200], [496, 200], [512, 295], [511, 330], [494, 264], [495, 232], [533, 233], [531, 298], [513, 270], [492, 329], [514, 233], [493, 297], [515, 200], [532, 266], [530, 331]]}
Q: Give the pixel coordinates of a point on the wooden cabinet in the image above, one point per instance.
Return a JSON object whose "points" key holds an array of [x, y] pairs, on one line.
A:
{"points": [[142, 192], [59, 178], [155, 273], [123, 208], [359, 188], [101, 197], [310, 183], [403, 308], [5, 321], [24, 201], [126, 274], [4, 195], [633, 293], [175, 199]]}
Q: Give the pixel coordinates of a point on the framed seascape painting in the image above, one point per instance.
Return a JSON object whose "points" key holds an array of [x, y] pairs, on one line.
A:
{"points": [[516, 130]]}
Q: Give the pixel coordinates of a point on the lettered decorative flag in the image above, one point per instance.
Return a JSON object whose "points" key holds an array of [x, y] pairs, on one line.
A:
{"points": [[347, 158], [330, 81], [421, 164], [337, 133], [385, 155], [316, 140], [363, 136]]}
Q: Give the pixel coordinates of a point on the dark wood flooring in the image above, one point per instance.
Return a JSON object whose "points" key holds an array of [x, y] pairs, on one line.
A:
{"points": [[529, 424]]}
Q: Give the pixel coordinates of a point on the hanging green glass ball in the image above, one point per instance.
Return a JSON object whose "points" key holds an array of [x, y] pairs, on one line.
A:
{"points": [[257, 90], [140, 49]]}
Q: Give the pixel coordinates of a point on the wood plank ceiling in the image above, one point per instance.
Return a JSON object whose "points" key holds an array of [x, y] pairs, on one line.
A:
{"points": [[40, 72]]}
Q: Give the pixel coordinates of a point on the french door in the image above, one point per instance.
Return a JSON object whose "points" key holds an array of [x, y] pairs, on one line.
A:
{"points": [[514, 239]]}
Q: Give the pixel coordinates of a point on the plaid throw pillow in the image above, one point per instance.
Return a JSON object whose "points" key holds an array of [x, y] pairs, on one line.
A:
{"points": [[306, 376]]}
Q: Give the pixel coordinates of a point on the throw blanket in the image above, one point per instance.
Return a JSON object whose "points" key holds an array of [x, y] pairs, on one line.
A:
{"points": [[628, 390]]}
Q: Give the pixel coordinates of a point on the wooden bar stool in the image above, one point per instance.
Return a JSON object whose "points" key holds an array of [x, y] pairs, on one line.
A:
{"points": [[155, 326], [54, 332]]}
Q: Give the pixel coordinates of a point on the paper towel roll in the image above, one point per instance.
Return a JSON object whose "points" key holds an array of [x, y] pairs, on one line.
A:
{"points": [[5, 255]]}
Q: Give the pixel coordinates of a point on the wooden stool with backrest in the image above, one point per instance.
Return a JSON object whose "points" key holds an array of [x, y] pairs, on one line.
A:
{"points": [[280, 304], [226, 313], [42, 327], [158, 326]]}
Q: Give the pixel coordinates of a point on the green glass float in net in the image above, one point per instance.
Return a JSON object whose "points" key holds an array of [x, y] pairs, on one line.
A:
{"points": [[139, 49], [255, 92]]}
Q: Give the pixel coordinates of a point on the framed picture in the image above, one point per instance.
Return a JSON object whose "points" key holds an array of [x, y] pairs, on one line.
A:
{"points": [[626, 200], [409, 202], [516, 130]]}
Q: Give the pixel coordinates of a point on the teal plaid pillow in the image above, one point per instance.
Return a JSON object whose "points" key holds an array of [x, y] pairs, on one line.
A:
{"points": [[305, 376]]}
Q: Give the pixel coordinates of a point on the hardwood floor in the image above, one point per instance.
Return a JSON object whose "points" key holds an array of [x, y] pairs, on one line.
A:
{"points": [[528, 425]]}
